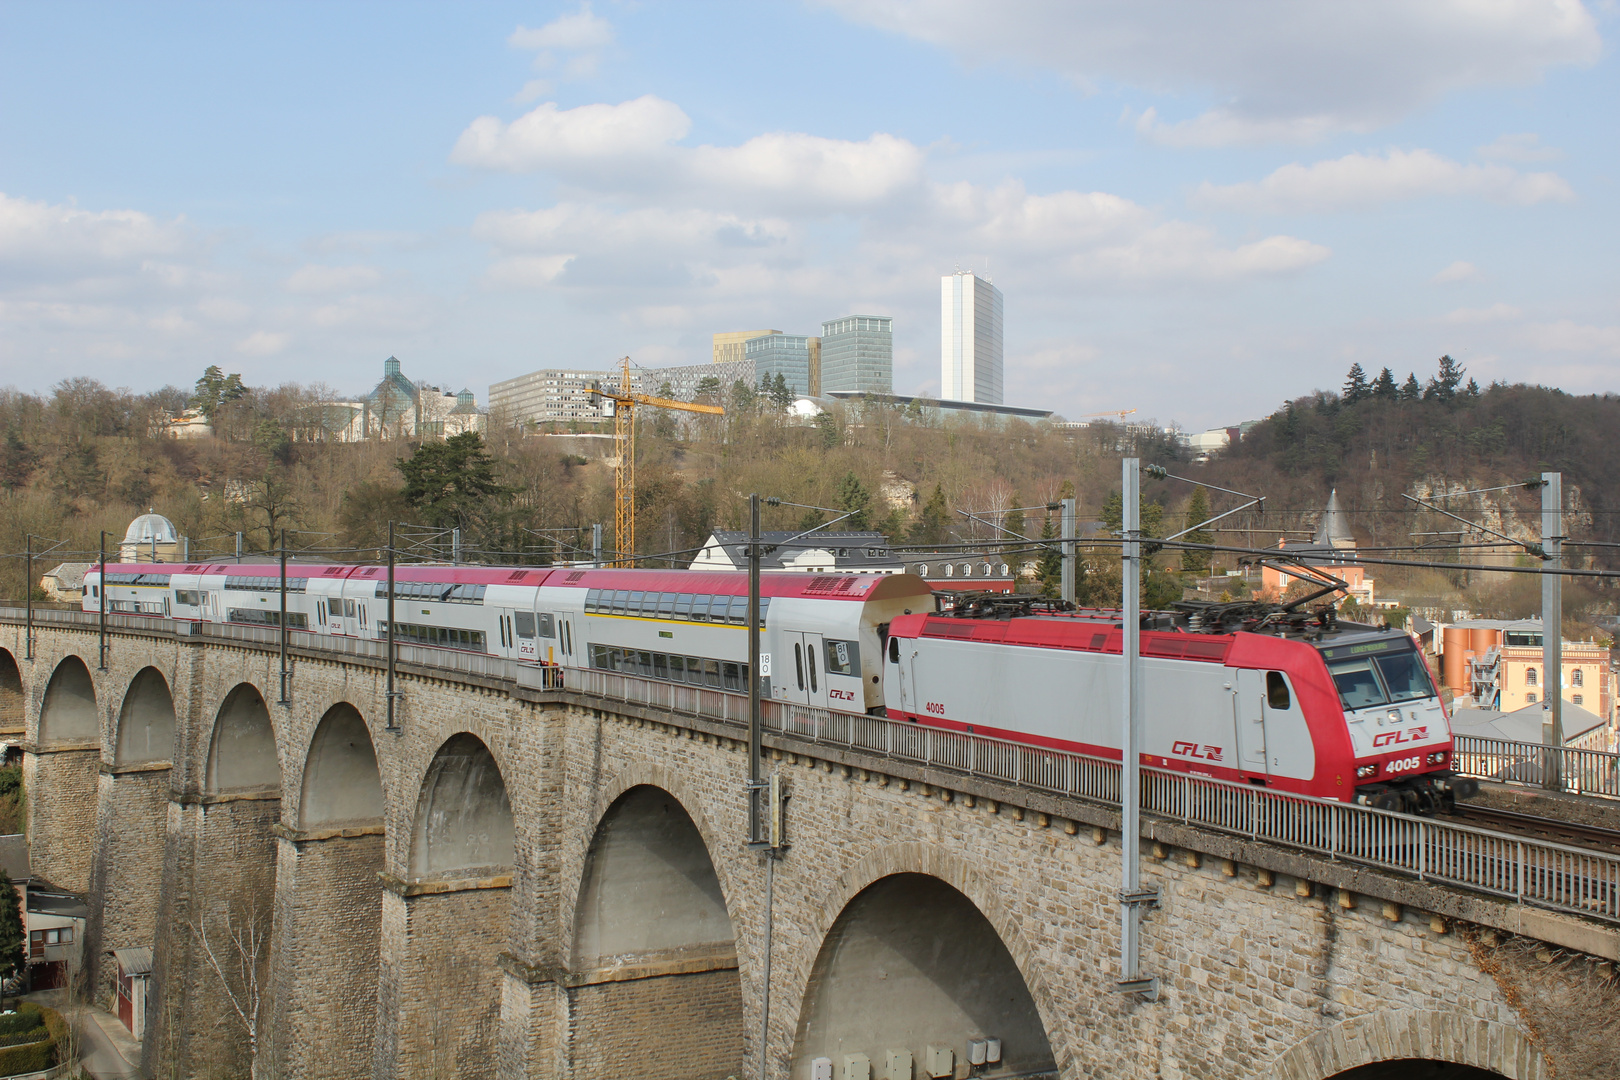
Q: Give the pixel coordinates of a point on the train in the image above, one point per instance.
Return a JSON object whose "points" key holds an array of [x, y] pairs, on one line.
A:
{"points": [[1290, 700]]}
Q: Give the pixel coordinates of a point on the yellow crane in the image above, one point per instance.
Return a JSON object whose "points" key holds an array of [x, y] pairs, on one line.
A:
{"points": [[1121, 413], [624, 446]]}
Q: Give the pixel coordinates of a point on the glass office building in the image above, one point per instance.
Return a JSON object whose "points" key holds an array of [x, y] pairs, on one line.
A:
{"points": [[970, 336], [857, 354], [787, 355]]}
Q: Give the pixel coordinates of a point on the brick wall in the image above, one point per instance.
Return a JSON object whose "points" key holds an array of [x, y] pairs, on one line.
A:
{"points": [[675, 1027], [328, 926]]}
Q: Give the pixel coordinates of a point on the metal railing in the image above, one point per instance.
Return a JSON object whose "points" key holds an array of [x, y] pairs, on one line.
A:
{"points": [[1527, 870], [1578, 772]]}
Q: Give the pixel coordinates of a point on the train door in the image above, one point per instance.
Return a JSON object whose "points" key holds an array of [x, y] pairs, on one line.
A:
{"points": [[1249, 716], [523, 625], [804, 680], [565, 641]]}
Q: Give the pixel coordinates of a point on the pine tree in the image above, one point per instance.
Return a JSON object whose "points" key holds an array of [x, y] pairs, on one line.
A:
{"points": [[1443, 387], [742, 396], [1050, 567], [1013, 521], [12, 937], [1383, 387], [1356, 387], [853, 497], [1197, 511], [1410, 389], [452, 483], [1471, 390], [781, 392], [214, 389], [934, 524]]}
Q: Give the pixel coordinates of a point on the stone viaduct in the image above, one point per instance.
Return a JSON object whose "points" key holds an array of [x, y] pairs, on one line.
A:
{"points": [[522, 882]]}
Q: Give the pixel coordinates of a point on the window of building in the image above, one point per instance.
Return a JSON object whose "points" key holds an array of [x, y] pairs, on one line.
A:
{"points": [[1530, 697], [1580, 699], [1530, 676], [1579, 678]]}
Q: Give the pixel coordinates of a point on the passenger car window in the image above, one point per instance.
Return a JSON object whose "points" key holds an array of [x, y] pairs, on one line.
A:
{"points": [[523, 622]]}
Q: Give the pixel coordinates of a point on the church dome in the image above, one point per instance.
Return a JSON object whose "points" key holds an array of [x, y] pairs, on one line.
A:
{"points": [[149, 528]]}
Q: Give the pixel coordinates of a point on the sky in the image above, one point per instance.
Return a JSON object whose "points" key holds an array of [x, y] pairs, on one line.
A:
{"points": [[1193, 210]]}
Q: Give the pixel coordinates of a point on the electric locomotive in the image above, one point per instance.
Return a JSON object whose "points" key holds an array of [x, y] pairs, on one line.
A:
{"points": [[1251, 693]]}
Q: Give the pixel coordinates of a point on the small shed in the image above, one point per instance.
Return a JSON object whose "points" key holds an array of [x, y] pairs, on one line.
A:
{"points": [[134, 980]]}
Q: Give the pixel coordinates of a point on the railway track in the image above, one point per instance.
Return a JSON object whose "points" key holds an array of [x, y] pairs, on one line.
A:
{"points": [[1557, 830]]}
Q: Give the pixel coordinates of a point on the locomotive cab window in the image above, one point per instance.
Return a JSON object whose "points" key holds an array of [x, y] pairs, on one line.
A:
{"points": [[894, 650], [1277, 691]]}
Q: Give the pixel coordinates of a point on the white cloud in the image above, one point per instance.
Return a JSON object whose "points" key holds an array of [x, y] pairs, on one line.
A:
{"points": [[1498, 312], [262, 343], [1457, 271], [64, 238], [315, 278], [581, 30], [1281, 70], [1524, 147], [1360, 181], [1566, 335], [631, 147], [566, 140]]}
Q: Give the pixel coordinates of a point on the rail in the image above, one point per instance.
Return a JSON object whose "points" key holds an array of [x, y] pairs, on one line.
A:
{"points": [[1564, 768], [1536, 872]]}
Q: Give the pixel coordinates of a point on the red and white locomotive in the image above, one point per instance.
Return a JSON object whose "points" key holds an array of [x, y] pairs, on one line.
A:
{"points": [[1294, 702], [1251, 694]]}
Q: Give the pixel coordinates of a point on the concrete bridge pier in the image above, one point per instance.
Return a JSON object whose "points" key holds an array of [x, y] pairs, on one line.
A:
{"points": [[213, 979], [328, 908], [126, 871], [60, 767], [446, 921]]}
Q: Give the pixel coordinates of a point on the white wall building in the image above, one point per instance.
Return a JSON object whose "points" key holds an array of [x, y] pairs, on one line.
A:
{"points": [[970, 339]]}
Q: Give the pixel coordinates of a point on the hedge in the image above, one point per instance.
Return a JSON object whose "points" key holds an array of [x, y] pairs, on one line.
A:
{"points": [[34, 1056]]}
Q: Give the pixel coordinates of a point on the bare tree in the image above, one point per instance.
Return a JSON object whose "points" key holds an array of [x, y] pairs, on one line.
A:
{"points": [[237, 950]]}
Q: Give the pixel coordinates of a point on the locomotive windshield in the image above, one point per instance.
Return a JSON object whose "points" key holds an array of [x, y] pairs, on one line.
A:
{"points": [[1375, 674]]}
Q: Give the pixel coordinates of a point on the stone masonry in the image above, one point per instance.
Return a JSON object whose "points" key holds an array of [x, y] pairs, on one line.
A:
{"points": [[1273, 963]]}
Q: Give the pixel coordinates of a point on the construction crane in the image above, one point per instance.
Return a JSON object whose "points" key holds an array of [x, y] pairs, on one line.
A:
{"points": [[624, 446], [1121, 413]]}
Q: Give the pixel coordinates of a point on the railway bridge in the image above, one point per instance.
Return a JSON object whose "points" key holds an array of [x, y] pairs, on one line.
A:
{"points": [[526, 879]]}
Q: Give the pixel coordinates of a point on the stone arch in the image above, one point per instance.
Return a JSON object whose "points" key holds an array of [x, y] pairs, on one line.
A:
{"points": [[651, 904], [242, 754], [68, 712], [463, 815], [909, 964], [146, 720], [13, 710], [342, 783], [1420, 1039]]}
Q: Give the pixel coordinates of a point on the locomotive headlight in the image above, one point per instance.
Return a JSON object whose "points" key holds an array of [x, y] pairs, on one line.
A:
{"points": [[1437, 758], [1394, 716], [1364, 772]]}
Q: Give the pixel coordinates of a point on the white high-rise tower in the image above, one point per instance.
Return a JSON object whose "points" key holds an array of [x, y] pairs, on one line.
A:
{"points": [[970, 339]]}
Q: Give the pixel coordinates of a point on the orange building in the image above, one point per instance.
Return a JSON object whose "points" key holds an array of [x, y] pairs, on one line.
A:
{"points": [[1332, 543]]}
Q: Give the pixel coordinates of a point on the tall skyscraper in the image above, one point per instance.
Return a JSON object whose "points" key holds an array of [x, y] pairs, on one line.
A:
{"points": [[787, 355], [731, 346], [970, 339], [857, 353]]}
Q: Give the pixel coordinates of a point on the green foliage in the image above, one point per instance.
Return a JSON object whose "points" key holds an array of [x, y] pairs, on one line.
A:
{"points": [[708, 386], [1410, 390], [45, 1029], [1443, 386], [1151, 517], [1049, 569], [214, 389], [1397, 617], [1013, 522], [453, 483], [854, 497], [273, 441], [12, 933], [1356, 387], [1384, 388], [1197, 511], [933, 526], [830, 435], [781, 393], [743, 396]]}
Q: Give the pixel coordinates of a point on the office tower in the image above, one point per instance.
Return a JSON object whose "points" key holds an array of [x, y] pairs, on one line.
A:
{"points": [[815, 365], [787, 355], [857, 354], [970, 339], [732, 346]]}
